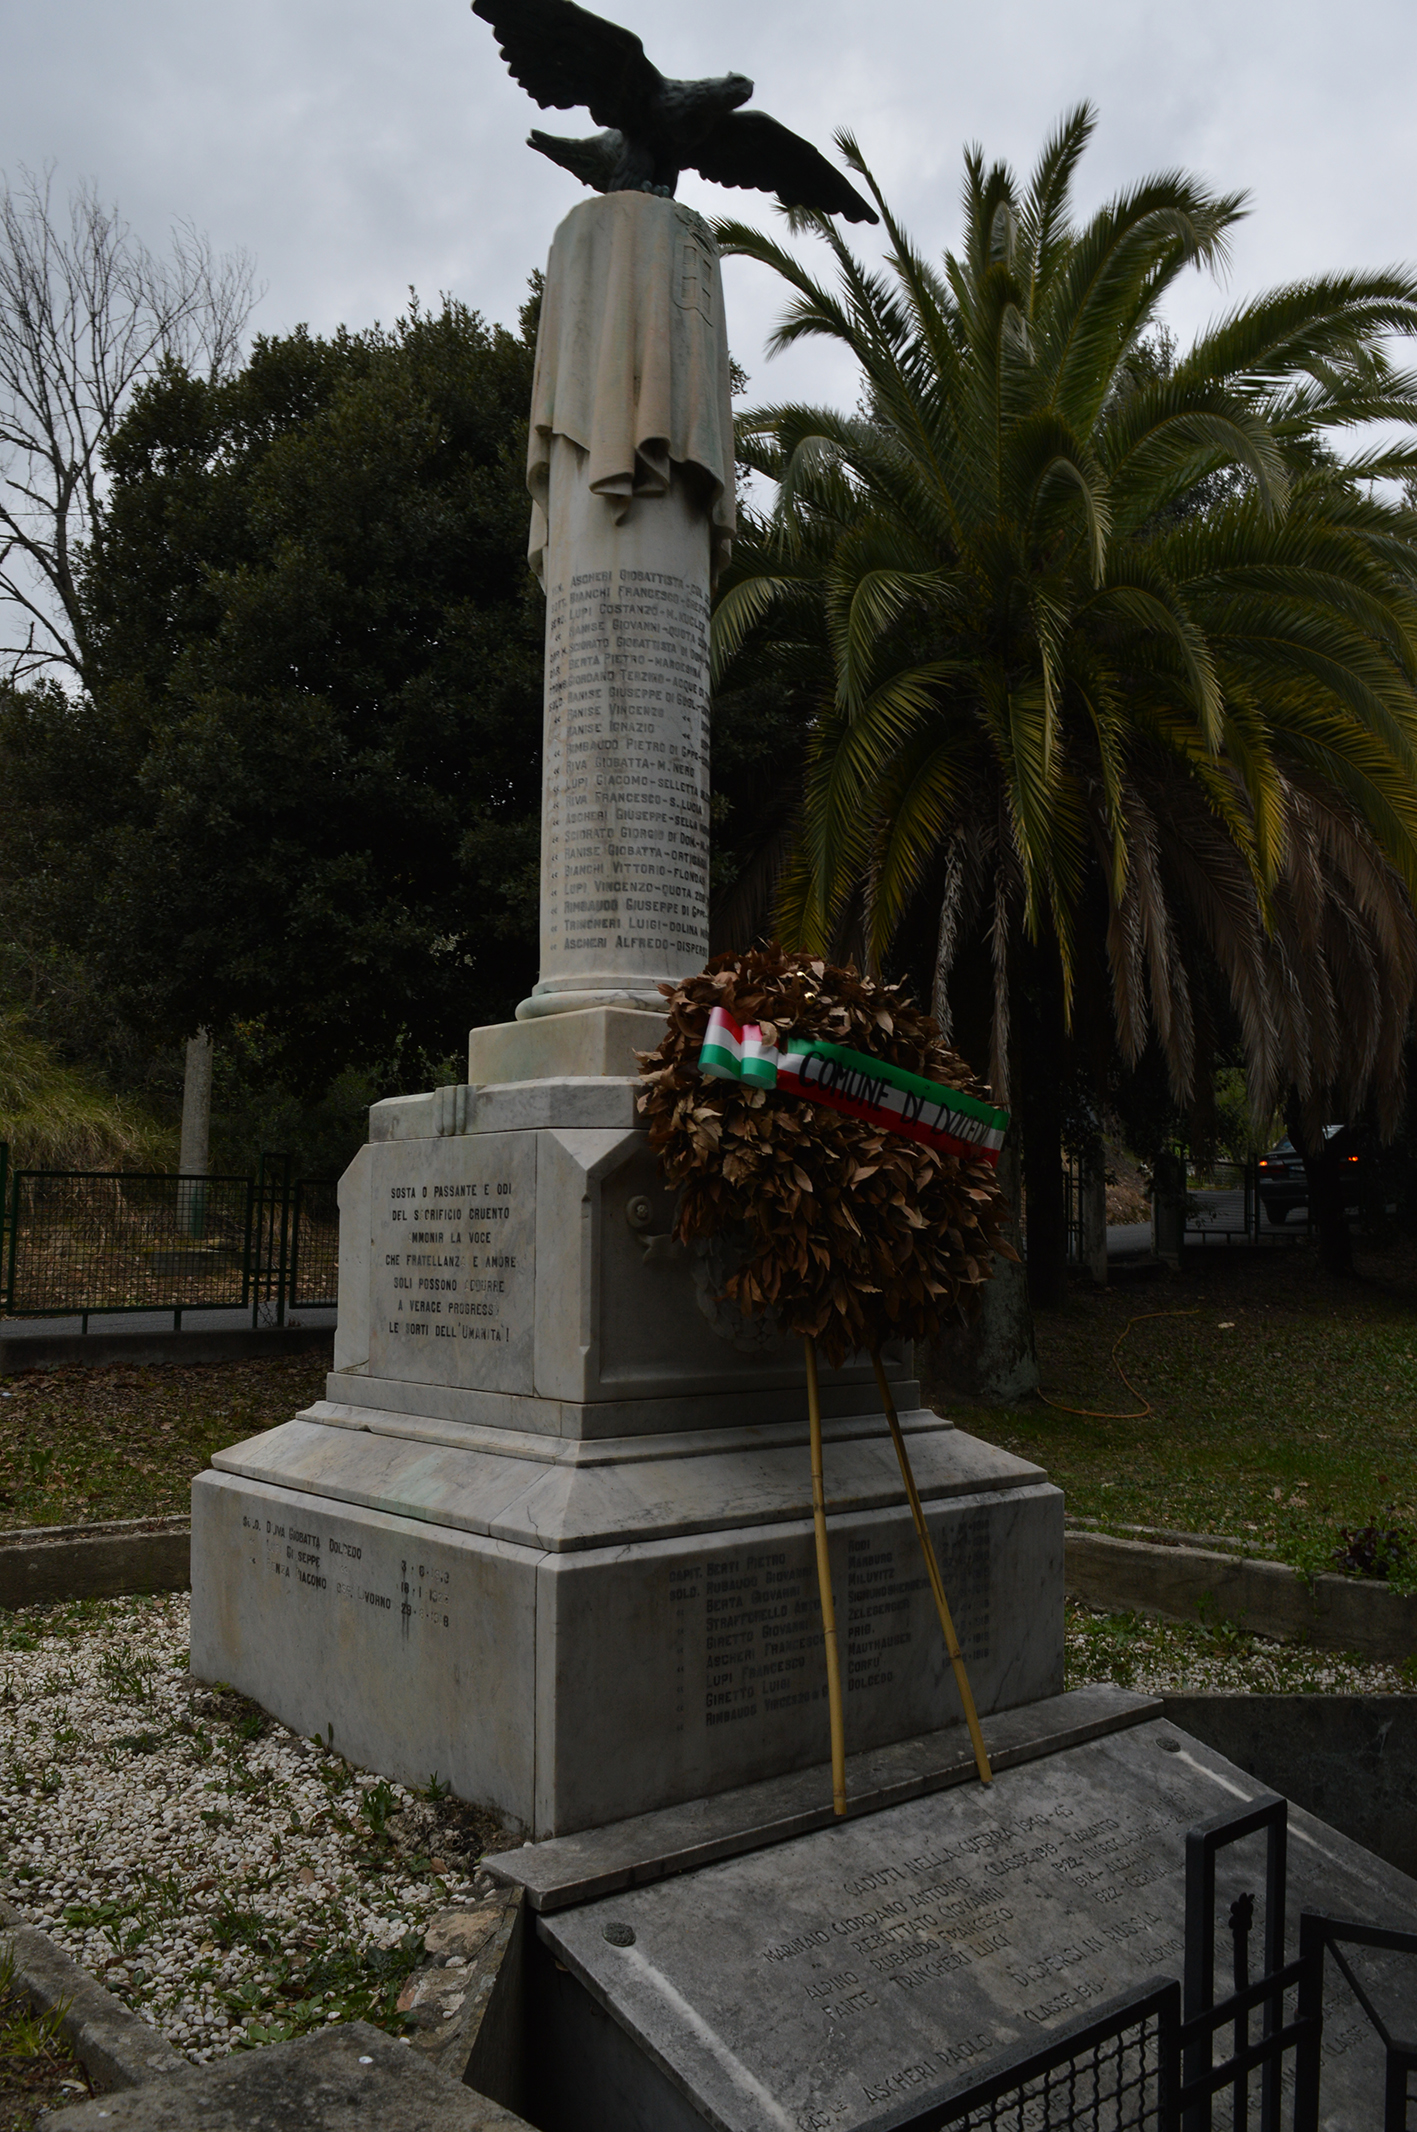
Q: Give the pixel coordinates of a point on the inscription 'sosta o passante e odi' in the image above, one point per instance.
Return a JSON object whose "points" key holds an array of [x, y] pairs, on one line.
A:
{"points": [[626, 798], [452, 1261]]}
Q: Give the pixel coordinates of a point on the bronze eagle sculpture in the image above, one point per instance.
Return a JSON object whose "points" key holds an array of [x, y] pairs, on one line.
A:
{"points": [[655, 128]]}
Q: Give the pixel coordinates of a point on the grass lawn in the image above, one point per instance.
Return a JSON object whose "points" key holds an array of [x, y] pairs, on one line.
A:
{"points": [[79, 1445], [38, 2070], [1284, 1403], [1284, 1406]]}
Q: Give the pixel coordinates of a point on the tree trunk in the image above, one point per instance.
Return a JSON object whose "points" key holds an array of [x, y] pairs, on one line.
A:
{"points": [[1323, 1161], [1047, 1195], [1093, 1212], [1168, 1206], [992, 1362]]}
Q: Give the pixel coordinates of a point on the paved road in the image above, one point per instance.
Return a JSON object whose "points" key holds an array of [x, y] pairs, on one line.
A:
{"points": [[1226, 1210], [151, 1321], [1217, 1214]]}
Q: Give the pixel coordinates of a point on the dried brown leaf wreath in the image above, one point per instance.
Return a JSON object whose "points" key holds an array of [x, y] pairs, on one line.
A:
{"points": [[852, 1234]]}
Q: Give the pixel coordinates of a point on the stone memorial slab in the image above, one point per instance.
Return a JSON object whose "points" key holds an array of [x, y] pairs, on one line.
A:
{"points": [[550, 1532], [818, 1985], [348, 2078], [565, 1871], [452, 1261], [514, 1266], [563, 1686]]}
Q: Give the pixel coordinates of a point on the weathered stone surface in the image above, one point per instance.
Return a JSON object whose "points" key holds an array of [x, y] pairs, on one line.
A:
{"points": [[550, 1294], [822, 1981], [586, 1102], [597, 1530], [1267, 1598], [566, 1870], [348, 2078], [94, 1562], [598, 1041], [625, 791], [478, 2032], [562, 1514], [452, 1261], [1350, 1759], [409, 1648], [556, 1496], [591, 1667], [115, 2048], [457, 1935]]}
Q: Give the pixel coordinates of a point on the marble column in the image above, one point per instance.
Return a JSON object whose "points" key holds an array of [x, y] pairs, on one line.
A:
{"points": [[625, 787], [630, 466]]}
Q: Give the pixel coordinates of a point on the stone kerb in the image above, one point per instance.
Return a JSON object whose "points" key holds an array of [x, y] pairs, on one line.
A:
{"points": [[58, 1562], [1267, 1598], [115, 2048]]}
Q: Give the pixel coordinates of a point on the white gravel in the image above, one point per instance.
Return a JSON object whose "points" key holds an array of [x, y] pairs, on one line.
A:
{"points": [[211, 1880], [1163, 1657], [219, 1882]]}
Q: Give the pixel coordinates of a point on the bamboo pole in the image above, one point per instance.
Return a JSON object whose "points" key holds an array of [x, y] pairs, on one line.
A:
{"points": [[932, 1568], [824, 1585]]}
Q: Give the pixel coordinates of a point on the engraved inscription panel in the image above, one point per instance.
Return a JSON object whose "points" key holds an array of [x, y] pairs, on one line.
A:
{"points": [[452, 1267], [625, 805], [747, 1629], [407, 1645], [375, 1575], [901, 1952]]}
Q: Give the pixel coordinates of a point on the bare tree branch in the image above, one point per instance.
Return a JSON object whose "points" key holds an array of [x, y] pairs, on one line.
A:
{"points": [[87, 313]]}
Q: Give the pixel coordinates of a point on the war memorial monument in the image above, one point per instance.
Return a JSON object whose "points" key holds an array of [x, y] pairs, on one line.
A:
{"points": [[549, 1534]]}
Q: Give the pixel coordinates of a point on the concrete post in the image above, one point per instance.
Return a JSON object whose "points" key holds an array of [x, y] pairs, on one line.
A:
{"points": [[1092, 1179], [194, 1155]]}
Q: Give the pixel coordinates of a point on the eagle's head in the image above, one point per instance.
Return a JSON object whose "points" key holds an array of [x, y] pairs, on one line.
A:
{"points": [[737, 90]]}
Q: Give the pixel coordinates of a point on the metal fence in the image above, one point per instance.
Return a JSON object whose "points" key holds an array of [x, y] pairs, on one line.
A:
{"points": [[1223, 1204], [86, 1243], [1119, 2069], [1148, 2062]]}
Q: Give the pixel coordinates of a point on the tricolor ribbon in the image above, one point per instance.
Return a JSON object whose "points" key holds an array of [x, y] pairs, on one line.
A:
{"points": [[856, 1084]]}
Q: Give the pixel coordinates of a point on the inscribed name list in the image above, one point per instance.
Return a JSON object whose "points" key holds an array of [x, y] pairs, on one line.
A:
{"points": [[626, 794], [452, 1273], [901, 1952]]}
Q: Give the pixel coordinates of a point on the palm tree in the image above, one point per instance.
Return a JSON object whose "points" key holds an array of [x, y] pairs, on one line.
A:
{"points": [[1101, 636]]}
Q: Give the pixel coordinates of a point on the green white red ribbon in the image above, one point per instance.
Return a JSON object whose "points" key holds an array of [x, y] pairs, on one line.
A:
{"points": [[856, 1084]]}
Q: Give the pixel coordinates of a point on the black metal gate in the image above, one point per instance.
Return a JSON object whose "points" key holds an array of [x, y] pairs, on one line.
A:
{"points": [[1147, 2062], [87, 1243]]}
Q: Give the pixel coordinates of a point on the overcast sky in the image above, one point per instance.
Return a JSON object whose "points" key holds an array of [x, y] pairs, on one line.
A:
{"points": [[358, 148]]}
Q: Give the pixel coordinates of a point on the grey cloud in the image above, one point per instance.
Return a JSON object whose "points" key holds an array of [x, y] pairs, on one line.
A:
{"points": [[358, 148]]}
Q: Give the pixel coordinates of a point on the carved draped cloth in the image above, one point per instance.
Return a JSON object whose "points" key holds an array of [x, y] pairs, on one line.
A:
{"points": [[632, 360]]}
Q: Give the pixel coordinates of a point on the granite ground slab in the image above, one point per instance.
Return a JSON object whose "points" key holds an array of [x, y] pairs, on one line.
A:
{"points": [[565, 1871], [347, 2079], [818, 1984]]}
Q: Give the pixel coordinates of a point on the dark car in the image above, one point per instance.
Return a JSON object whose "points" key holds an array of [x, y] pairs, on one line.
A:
{"points": [[1283, 1184]]}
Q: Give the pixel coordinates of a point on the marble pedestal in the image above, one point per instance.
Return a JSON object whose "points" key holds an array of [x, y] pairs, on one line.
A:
{"points": [[549, 1534]]}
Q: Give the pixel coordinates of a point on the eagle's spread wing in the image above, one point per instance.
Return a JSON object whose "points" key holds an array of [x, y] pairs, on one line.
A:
{"points": [[564, 56], [749, 148]]}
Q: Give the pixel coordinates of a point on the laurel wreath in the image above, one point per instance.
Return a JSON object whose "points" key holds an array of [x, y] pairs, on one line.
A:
{"points": [[850, 1234]]}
